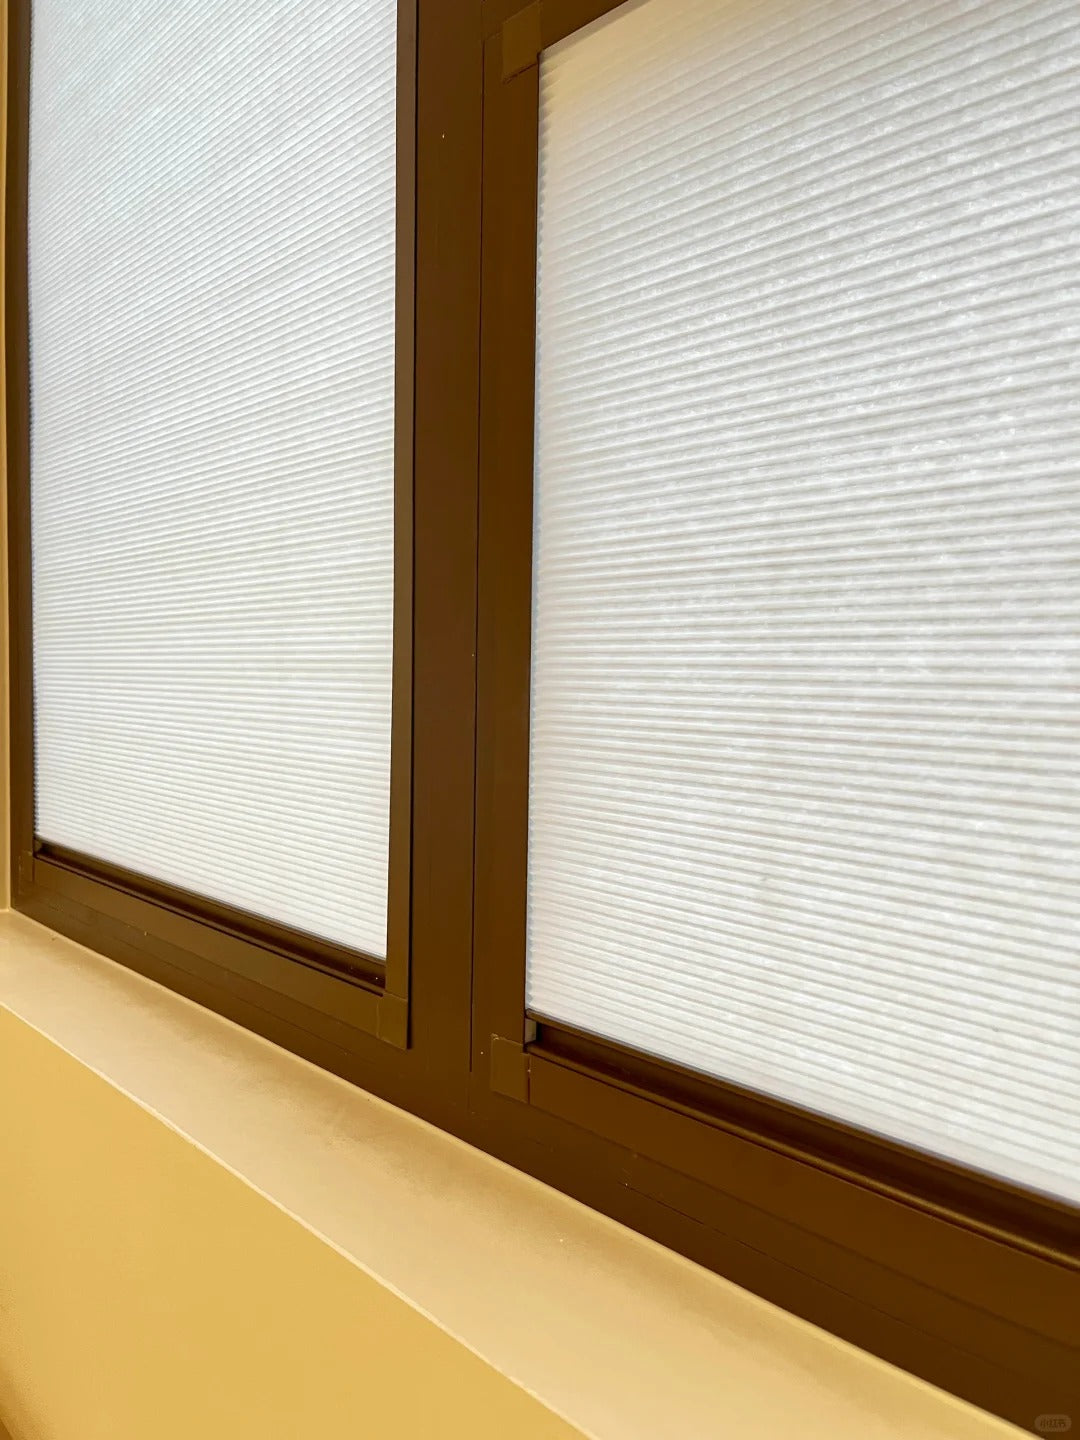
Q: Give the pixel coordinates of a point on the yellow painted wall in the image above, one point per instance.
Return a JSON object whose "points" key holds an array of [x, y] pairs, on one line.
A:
{"points": [[146, 1293], [5, 819]]}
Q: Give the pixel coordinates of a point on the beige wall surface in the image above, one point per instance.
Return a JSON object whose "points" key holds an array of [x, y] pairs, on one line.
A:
{"points": [[5, 819], [147, 1293]]}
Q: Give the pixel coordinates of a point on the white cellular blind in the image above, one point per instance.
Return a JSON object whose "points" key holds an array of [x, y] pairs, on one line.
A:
{"points": [[212, 355], [805, 785]]}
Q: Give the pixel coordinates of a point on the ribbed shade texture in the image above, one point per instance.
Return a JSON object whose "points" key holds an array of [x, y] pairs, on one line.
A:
{"points": [[805, 773], [211, 244]]}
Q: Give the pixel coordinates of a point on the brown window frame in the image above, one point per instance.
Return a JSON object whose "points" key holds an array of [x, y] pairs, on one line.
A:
{"points": [[406, 1040], [968, 1280], [970, 1283]]}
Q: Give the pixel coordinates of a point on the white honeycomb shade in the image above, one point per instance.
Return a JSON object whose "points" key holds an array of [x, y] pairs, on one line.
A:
{"points": [[805, 782], [212, 353]]}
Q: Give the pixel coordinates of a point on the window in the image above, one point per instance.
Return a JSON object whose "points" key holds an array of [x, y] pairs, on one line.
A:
{"points": [[776, 828], [544, 578], [219, 522], [802, 788]]}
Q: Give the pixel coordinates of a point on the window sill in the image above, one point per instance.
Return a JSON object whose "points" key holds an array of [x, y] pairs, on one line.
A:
{"points": [[622, 1338]]}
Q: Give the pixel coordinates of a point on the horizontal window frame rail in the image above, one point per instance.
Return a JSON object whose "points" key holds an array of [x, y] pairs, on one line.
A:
{"points": [[528, 29], [328, 978], [1023, 1302], [1039, 1224]]}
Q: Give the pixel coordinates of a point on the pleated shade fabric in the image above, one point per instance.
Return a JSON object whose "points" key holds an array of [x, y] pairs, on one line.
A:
{"points": [[211, 247], [805, 771]]}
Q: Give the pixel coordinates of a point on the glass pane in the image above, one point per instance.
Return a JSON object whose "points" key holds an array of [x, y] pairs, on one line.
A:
{"points": [[212, 333], [805, 792]]}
